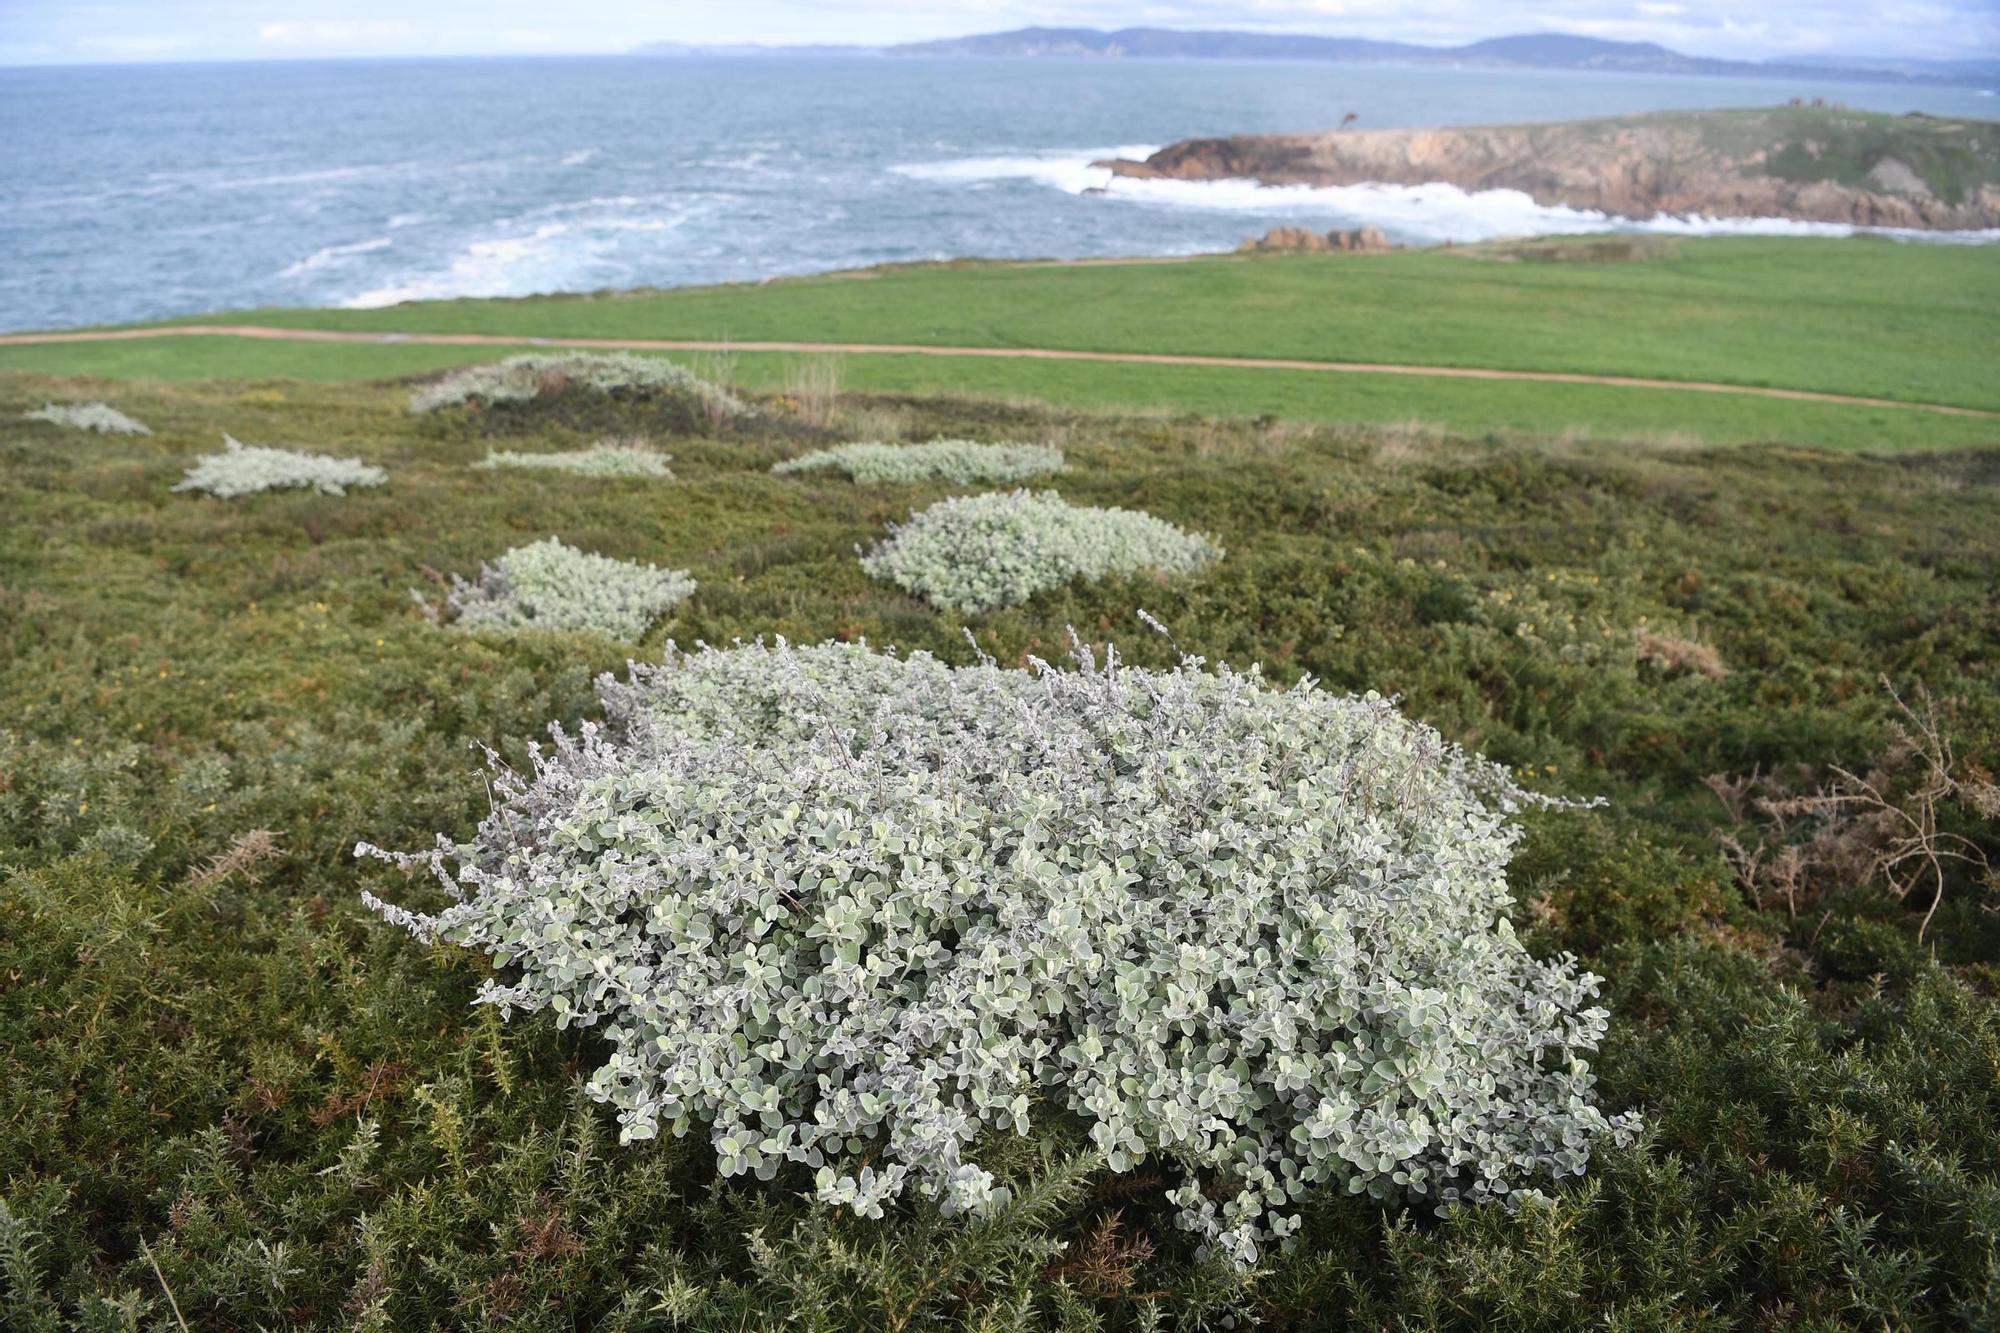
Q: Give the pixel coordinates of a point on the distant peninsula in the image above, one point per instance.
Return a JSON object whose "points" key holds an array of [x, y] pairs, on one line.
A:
{"points": [[1546, 50], [1817, 164]]}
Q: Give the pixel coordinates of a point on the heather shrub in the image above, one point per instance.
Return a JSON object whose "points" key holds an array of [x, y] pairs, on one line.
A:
{"points": [[245, 469], [978, 552], [540, 375], [858, 914], [606, 458], [100, 417], [960, 462], [550, 586]]}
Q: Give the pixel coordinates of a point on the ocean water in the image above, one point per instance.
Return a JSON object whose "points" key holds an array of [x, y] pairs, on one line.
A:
{"points": [[140, 192]]}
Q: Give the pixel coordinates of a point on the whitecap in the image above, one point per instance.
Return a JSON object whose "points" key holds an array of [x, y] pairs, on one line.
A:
{"points": [[333, 255]]}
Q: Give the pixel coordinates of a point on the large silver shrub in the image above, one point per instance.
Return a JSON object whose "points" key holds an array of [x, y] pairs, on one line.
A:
{"points": [[606, 458], [978, 552], [246, 469], [959, 462], [853, 912], [548, 585], [100, 417], [520, 379]]}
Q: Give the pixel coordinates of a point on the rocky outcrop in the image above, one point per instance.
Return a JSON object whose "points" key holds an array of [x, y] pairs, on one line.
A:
{"points": [[1820, 165], [1307, 240]]}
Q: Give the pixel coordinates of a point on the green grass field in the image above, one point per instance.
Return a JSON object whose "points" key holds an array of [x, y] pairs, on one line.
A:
{"points": [[1862, 317]]}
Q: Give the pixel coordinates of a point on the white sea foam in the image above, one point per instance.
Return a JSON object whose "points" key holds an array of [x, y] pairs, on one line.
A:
{"points": [[495, 267], [1411, 214], [1067, 169], [527, 256], [334, 255], [581, 156]]}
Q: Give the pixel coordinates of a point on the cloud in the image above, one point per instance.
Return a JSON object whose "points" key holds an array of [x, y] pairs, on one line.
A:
{"points": [[334, 32], [129, 46]]}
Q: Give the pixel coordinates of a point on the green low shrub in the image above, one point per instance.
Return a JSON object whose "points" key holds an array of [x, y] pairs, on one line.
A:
{"points": [[538, 375], [245, 469], [606, 458], [979, 552], [959, 462], [855, 913], [550, 586], [100, 417]]}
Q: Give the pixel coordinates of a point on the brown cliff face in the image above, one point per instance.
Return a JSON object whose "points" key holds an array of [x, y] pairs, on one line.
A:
{"points": [[1722, 164]]}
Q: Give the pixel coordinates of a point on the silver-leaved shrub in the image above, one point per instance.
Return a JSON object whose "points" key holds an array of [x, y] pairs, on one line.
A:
{"points": [[550, 586], [606, 458], [245, 469], [854, 912], [959, 462], [520, 379], [100, 417], [978, 552]]}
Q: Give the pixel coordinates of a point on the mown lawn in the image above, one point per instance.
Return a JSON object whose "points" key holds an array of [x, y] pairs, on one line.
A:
{"points": [[1862, 316], [224, 1080]]}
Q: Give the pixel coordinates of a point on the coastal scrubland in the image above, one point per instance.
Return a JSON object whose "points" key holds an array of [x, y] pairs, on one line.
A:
{"points": [[235, 1098]]}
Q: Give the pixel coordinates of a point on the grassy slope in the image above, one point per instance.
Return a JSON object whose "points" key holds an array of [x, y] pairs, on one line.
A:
{"points": [[1465, 406], [297, 1112], [1955, 157], [1862, 316]]}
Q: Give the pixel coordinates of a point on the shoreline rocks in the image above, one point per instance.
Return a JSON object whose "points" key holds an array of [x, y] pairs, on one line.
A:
{"points": [[1806, 164], [1304, 240]]}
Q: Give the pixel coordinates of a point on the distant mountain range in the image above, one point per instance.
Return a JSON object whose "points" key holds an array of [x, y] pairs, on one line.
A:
{"points": [[1549, 50]]}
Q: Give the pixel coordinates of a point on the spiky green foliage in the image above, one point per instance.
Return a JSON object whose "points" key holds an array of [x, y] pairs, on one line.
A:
{"points": [[538, 375], [247, 469], [961, 462], [100, 417], [1249, 934], [550, 586], [296, 1111], [979, 552], [606, 458]]}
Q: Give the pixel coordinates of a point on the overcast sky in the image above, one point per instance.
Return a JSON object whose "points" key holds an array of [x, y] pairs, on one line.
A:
{"points": [[70, 31]]}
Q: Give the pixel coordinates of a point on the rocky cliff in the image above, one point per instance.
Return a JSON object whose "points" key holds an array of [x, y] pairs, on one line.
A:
{"points": [[1816, 164]]}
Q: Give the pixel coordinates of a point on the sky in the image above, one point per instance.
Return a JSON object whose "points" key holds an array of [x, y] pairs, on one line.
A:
{"points": [[35, 32]]}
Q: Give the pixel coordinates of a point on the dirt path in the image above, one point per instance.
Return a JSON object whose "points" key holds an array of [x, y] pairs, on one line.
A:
{"points": [[998, 353]]}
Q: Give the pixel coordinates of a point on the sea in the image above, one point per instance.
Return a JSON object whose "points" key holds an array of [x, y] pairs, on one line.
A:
{"points": [[139, 192]]}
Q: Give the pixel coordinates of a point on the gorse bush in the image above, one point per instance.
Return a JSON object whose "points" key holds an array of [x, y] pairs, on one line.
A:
{"points": [[100, 417], [521, 379], [978, 552], [550, 586], [606, 458], [245, 469], [852, 912], [960, 462]]}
